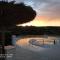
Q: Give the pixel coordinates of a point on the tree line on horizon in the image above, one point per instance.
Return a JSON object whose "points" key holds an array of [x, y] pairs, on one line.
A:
{"points": [[37, 30]]}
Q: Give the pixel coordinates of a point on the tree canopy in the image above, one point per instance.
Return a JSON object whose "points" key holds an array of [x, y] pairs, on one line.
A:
{"points": [[12, 14]]}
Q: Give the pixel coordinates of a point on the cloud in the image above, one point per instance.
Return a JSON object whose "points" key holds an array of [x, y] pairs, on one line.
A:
{"points": [[48, 8], [45, 8]]}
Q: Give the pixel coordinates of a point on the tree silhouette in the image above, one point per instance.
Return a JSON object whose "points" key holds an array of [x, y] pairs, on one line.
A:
{"points": [[12, 14]]}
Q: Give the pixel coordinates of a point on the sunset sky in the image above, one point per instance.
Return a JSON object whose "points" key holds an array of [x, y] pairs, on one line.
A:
{"points": [[48, 12]]}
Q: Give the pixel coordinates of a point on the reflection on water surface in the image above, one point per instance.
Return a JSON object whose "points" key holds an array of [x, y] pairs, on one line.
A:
{"points": [[44, 41]]}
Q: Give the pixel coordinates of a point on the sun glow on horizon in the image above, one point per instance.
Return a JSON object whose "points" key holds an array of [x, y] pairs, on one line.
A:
{"points": [[41, 21], [36, 22]]}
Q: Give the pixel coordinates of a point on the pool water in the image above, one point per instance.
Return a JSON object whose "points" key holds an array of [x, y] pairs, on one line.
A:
{"points": [[37, 41], [46, 43]]}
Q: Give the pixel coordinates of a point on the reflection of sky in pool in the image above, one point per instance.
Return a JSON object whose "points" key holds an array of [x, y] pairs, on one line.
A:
{"points": [[43, 42], [38, 42]]}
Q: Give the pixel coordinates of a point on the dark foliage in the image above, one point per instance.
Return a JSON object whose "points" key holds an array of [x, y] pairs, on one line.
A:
{"points": [[37, 31], [12, 14]]}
